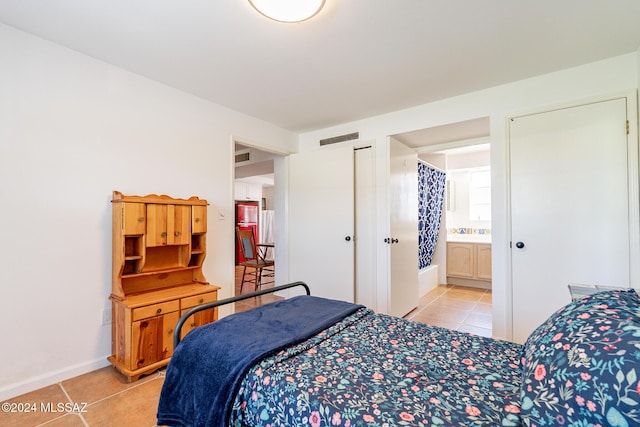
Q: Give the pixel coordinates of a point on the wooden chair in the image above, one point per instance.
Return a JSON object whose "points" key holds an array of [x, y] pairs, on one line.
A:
{"points": [[255, 265]]}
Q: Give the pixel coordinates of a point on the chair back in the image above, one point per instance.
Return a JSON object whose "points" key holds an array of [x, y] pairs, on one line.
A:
{"points": [[247, 242]]}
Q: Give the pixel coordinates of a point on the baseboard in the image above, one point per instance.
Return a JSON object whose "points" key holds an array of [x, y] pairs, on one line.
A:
{"points": [[16, 389], [472, 283]]}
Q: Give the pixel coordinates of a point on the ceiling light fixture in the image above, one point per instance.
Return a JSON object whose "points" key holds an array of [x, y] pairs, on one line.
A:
{"points": [[288, 10]]}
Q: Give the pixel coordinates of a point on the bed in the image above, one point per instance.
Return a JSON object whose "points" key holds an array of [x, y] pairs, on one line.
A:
{"points": [[313, 361]]}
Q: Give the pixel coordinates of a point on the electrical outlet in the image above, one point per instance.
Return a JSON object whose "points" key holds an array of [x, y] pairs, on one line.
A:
{"points": [[106, 316]]}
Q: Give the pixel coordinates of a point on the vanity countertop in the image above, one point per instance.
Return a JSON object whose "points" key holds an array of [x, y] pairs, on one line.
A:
{"points": [[469, 238]]}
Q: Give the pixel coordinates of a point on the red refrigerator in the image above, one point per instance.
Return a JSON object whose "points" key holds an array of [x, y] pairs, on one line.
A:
{"points": [[246, 219]]}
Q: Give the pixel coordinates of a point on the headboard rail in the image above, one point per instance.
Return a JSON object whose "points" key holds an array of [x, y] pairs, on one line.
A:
{"points": [[184, 317]]}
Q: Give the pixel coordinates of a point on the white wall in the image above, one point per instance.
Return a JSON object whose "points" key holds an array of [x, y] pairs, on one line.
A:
{"points": [[602, 77], [72, 129]]}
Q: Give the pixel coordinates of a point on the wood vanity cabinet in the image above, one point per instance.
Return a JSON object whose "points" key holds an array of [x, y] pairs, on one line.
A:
{"points": [[483, 261], [470, 262], [461, 259], [159, 246]]}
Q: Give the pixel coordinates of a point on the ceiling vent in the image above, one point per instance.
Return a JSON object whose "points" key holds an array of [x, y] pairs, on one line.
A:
{"points": [[243, 156], [341, 138]]}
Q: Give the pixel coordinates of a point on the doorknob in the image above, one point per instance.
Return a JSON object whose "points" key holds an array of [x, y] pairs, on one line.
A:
{"points": [[347, 238], [394, 240], [519, 245]]}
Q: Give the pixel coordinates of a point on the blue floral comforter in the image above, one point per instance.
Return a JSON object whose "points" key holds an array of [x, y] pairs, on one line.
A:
{"points": [[580, 368], [374, 370]]}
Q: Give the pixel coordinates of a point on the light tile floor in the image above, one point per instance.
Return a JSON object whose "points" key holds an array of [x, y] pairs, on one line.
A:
{"points": [[99, 398], [105, 398], [456, 307]]}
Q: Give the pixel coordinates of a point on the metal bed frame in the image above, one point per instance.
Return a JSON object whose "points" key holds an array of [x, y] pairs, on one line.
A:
{"points": [[183, 318]]}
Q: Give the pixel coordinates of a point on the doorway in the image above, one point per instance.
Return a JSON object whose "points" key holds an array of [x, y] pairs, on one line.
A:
{"points": [[458, 145], [461, 148], [257, 199]]}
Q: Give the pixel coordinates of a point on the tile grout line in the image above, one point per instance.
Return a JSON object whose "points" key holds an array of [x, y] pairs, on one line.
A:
{"points": [[459, 324], [133, 386], [469, 312], [64, 391], [157, 375], [71, 401], [476, 306]]}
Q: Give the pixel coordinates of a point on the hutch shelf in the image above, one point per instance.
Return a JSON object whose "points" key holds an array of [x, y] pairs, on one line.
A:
{"points": [[159, 245]]}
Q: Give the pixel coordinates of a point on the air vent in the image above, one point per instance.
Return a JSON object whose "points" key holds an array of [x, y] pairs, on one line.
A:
{"points": [[341, 138], [243, 156]]}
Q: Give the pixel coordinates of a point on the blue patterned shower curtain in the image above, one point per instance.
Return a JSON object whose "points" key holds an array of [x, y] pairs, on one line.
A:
{"points": [[431, 187]]}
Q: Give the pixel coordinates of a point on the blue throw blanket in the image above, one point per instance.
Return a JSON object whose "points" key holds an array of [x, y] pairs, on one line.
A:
{"points": [[208, 366]]}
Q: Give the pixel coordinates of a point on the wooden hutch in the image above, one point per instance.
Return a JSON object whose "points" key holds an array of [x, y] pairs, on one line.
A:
{"points": [[159, 245]]}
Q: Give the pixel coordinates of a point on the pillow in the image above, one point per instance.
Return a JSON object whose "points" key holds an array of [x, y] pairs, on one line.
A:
{"points": [[582, 366]]}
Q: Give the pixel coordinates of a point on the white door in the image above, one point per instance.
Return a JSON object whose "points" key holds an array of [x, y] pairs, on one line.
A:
{"points": [[321, 221], [569, 206], [403, 244], [366, 247]]}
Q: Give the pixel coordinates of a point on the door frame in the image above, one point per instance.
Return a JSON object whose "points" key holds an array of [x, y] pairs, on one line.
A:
{"points": [[633, 164], [281, 195]]}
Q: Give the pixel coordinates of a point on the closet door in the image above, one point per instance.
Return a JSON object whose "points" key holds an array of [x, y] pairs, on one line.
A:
{"points": [[321, 221], [365, 208], [570, 214]]}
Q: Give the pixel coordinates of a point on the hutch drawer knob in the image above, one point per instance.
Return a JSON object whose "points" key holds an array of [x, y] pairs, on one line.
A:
{"points": [[201, 300], [177, 233], [158, 311], [197, 219], [163, 234], [193, 324], [141, 219], [170, 331]]}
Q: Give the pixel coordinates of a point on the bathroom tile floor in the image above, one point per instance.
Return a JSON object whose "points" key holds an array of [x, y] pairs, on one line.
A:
{"points": [[105, 398], [456, 307]]}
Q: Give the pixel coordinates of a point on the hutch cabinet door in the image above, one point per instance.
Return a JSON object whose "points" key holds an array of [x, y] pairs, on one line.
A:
{"points": [[134, 218], [199, 221], [200, 318], [152, 339], [178, 224], [168, 225], [156, 225]]}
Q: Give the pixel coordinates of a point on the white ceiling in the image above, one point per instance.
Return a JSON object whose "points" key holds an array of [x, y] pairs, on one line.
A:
{"points": [[355, 59]]}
